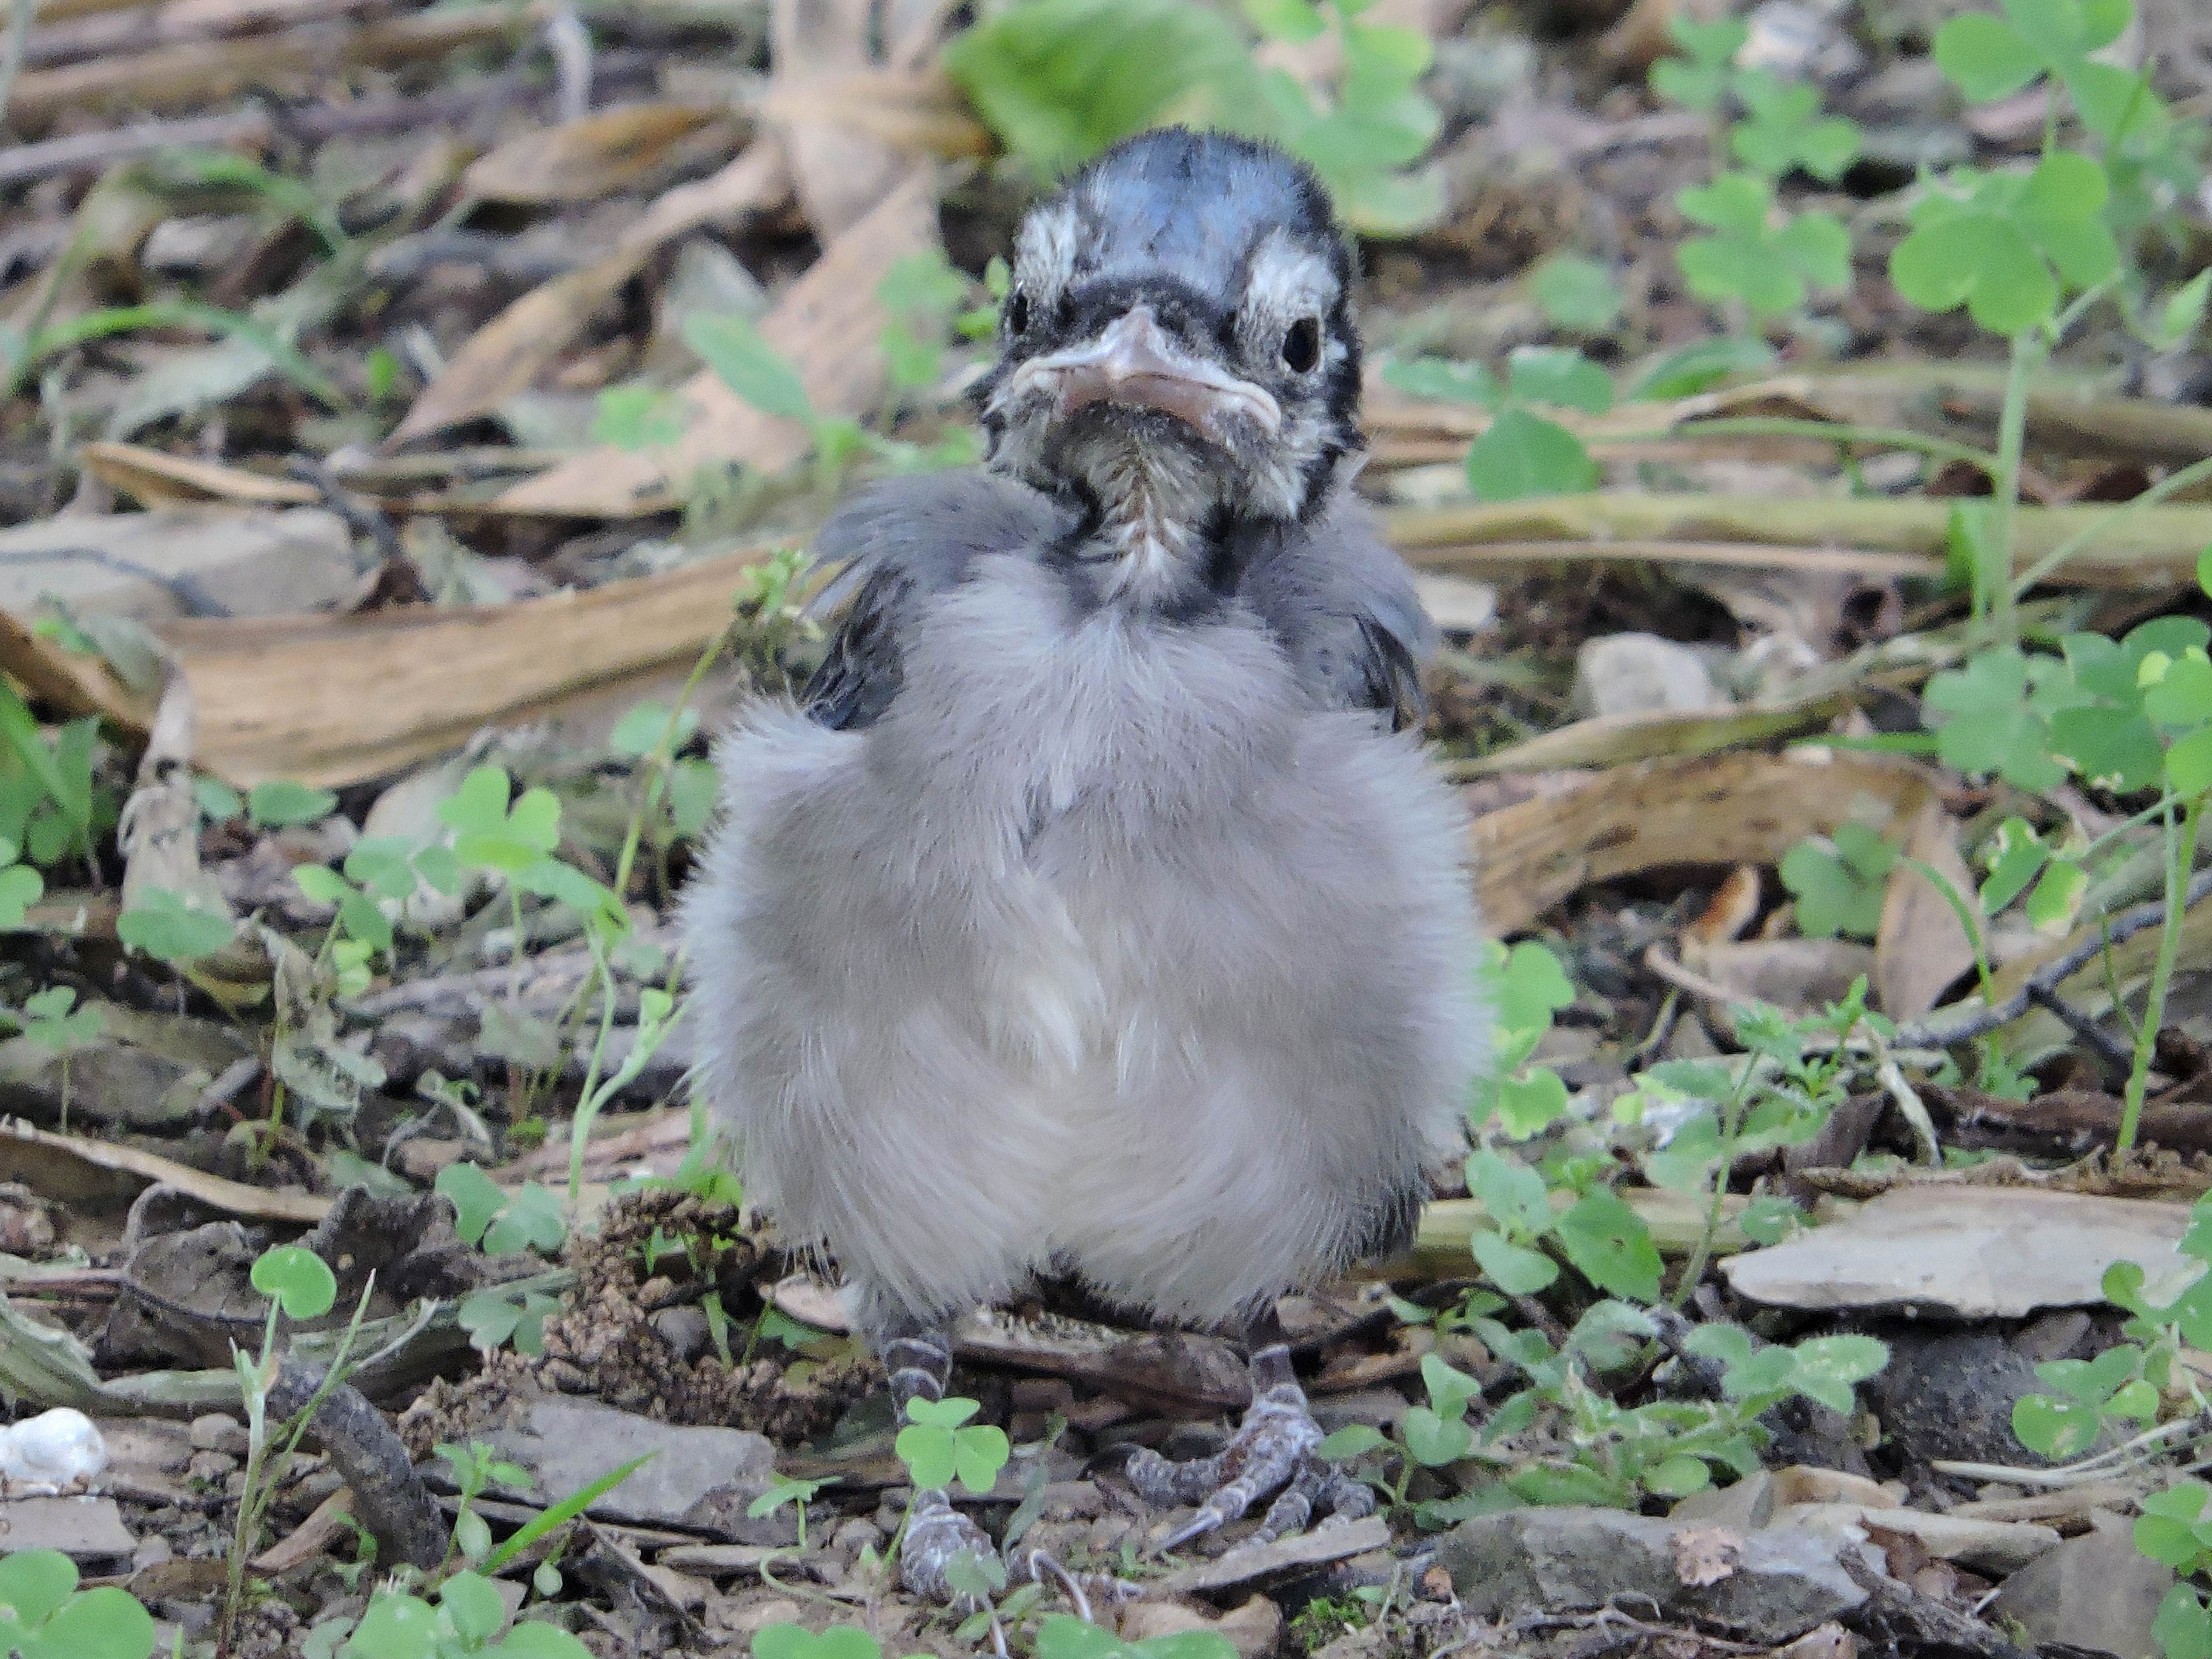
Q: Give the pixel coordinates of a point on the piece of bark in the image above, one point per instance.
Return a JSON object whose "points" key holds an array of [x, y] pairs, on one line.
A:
{"points": [[1724, 809], [389, 1497]]}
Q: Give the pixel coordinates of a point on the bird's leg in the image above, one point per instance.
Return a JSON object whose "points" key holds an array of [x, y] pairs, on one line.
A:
{"points": [[921, 1366], [1273, 1452]]}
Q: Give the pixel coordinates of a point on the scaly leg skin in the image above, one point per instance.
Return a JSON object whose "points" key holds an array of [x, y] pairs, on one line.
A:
{"points": [[921, 1366], [1271, 1452]]}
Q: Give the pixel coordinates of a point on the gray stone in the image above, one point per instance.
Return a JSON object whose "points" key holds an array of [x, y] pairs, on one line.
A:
{"points": [[1744, 1506], [1774, 1585], [1965, 1252], [699, 1478], [1991, 1548], [1950, 1395], [1378, 1408], [219, 1433], [1250, 1563], [1642, 674], [82, 1528], [178, 561], [2096, 1592]]}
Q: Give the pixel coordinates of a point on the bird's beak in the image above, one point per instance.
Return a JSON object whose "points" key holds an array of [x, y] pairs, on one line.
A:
{"points": [[1134, 363]]}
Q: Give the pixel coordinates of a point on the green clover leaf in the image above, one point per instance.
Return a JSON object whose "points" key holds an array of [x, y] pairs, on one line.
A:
{"points": [[938, 1445], [1768, 261], [1524, 455], [1989, 58], [1786, 130], [296, 1279], [1575, 293], [1554, 374], [1990, 726], [1839, 892], [173, 927], [1445, 381], [493, 835], [1698, 78], [2009, 246]]}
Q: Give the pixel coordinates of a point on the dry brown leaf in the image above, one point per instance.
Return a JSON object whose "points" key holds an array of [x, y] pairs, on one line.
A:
{"points": [[1734, 907], [2149, 547], [24, 1147], [73, 683], [915, 112], [841, 174], [155, 478], [508, 353], [1923, 946], [582, 161], [203, 73], [1705, 1555], [1724, 809], [828, 325], [335, 700]]}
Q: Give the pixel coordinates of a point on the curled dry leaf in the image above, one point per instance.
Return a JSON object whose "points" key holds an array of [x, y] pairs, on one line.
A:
{"points": [[826, 326], [1705, 1555], [581, 161], [508, 353], [1923, 946]]}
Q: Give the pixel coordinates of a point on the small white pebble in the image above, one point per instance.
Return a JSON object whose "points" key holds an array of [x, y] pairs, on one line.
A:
{"points": [[54, 1450]]}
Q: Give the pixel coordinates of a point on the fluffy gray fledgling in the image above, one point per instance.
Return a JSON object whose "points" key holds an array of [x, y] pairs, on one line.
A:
{"points": [[1098, 913]]}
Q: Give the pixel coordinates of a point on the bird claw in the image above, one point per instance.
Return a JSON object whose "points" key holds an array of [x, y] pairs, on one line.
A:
{"points": [[1273, 1451], [937, 1534]]}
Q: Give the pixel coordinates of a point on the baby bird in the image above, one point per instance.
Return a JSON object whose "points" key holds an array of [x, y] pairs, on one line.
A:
{"points": [[1097, 914]]}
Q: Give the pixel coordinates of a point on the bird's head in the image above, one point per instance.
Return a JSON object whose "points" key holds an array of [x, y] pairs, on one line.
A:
{"points": [[1176, 347]]}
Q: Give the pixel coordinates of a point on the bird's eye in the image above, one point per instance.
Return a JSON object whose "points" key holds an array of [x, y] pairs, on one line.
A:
{"points": [[1302, 346], [1018, 313]]}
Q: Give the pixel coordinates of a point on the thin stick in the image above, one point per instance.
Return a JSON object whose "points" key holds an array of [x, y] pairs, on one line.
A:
{"points": [[1967, 1021]]}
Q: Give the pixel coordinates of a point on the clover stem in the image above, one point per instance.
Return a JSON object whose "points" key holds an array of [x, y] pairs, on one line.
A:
{"points": [[2180, 860], [1995, 579]]}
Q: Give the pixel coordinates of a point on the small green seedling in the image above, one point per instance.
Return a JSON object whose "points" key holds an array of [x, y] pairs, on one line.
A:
{"points": [[796, 1493], [504, 1223], [44, 1615], [174, 927], [469, 1614], [477, 1468], [1608, 1243], [939, 1444], [1839, 883], [2092, 1393], [1526, 986], [51, 1019], [1437, 1433], [279, 803]]}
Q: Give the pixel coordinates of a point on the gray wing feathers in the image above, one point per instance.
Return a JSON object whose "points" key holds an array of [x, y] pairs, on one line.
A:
{"points": [[1343, 606], [904, 541]]}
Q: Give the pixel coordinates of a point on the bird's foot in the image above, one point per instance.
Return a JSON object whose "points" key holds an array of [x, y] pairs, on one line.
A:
{"points": [[1271, 1452], [936, 1534]]}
